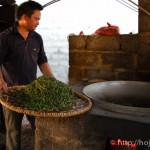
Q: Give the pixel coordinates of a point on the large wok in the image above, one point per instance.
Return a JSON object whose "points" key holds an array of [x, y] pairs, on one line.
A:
{"points": [[125, 97]]}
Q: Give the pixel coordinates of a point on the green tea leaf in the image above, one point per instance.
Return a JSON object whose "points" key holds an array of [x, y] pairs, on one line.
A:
{"points": [[46, 93]]}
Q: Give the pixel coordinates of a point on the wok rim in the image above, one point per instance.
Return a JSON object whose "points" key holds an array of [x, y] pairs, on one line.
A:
{"points": [[118, 108]]}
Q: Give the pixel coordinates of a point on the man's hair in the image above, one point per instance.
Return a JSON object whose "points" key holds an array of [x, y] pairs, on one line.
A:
{"points": [[28, 8]]}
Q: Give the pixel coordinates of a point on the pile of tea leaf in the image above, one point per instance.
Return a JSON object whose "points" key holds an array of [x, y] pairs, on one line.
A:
{"points": [[46, 93]]}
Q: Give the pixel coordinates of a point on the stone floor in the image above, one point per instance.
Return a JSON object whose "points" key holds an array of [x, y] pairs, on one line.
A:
{"points": [[27, 139]]}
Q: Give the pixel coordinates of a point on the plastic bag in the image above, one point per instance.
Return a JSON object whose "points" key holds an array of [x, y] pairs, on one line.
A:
{"points": [[108, 30]]}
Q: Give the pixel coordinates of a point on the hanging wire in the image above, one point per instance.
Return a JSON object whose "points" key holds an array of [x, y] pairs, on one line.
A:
{"points": [[128, 5], [141, 8]]}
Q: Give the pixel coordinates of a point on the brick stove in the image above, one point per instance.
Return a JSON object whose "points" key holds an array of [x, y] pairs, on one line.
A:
{"points": [[102, 58], [123, 110], [129, 130], [113, 58]]}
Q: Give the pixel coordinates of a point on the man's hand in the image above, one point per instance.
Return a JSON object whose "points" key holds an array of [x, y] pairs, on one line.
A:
{"points": [[3, 86]]}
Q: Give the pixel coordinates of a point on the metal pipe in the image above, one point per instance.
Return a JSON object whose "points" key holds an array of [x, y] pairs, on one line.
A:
{"points": [[49, 3]]}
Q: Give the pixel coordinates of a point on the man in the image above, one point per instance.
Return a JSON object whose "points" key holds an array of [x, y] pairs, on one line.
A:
{"points": [[21, 50]]}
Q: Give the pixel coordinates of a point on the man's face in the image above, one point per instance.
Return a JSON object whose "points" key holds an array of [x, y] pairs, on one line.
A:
{"points": [[33, 21]]}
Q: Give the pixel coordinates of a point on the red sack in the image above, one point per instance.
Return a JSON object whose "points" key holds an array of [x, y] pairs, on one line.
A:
{"points": [[108, 30]]}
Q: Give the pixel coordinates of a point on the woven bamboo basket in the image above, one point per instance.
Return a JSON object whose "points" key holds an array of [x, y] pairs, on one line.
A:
{"points": [[83, 104]]}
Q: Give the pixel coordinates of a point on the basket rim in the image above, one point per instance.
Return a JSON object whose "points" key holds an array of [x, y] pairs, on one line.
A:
{"points": [[42, 113]]}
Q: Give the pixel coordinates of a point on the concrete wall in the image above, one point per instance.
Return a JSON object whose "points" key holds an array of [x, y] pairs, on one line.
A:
{"points": [[124, 57]]}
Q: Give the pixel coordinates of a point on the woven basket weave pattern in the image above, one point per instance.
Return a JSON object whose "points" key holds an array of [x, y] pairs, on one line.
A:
{"points": [[83, 104]]}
